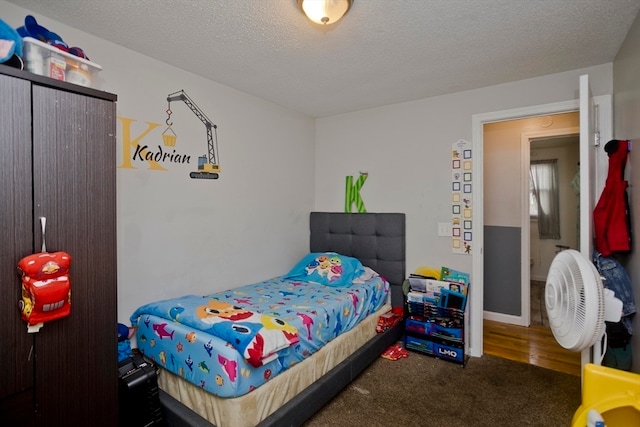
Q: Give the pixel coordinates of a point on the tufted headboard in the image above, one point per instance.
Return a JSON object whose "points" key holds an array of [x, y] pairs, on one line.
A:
{"points": [[376, 239]]}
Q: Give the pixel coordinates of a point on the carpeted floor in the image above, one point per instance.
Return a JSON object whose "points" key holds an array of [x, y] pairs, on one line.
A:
{"points": [[424, 391]]}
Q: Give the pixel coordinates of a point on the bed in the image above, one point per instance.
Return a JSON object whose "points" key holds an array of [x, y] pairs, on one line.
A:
{"points": [[285, 380]]}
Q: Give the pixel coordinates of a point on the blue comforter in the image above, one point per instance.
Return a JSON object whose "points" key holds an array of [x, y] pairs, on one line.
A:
{"points": [[258, 337], [190, 336]]}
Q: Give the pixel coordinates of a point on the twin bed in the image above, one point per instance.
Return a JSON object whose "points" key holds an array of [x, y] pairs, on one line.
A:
{"points": [[298, 339]]}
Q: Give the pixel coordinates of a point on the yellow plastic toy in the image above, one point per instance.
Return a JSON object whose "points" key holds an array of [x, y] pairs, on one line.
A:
{"points": [[614, 393], [428, 272]]}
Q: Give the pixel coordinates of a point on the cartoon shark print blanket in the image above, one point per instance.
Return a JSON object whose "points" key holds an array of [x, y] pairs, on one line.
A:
{"points": [[258, 337], [183, 335]]}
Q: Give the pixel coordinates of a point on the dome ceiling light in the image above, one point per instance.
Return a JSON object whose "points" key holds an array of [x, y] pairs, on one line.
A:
{"points": [[325, 12]]}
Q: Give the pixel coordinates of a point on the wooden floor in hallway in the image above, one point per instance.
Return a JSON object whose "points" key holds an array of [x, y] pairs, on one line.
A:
{"points": [[535, 345]]}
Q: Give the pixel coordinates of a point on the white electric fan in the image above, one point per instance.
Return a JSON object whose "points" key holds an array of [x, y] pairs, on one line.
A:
{"points": [[578, 305]]}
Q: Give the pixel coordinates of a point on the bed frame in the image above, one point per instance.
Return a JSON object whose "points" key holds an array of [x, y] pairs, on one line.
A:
{"points": [[378, 241]]}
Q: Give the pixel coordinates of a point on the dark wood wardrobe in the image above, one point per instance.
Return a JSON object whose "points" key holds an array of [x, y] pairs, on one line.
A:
{"points": [[58, 161]]}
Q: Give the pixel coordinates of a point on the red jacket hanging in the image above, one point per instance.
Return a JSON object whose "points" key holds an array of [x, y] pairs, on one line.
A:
{"points": [[611, 214]]}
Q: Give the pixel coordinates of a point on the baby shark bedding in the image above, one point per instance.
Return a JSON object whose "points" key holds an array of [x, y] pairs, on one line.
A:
{"points": [[275, 352], [229, 343]]}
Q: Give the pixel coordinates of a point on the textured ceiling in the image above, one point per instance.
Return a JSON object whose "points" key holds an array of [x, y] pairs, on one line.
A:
{"points": [[382, 52]]}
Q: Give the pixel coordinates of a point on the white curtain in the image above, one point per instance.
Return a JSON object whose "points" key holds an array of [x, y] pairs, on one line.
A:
{"points": [[544, 183]]}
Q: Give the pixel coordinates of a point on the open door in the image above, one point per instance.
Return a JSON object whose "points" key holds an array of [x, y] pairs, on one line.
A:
{"points": [[588, 147]]}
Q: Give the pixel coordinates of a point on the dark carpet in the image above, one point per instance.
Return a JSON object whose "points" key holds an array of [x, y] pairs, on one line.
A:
{"points": [[424, 391]]}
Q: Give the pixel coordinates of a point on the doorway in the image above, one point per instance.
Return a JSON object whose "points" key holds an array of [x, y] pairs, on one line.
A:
{"points": [[603, 116], [564, 149], [519, 255], [549, 156], [563, 152]]}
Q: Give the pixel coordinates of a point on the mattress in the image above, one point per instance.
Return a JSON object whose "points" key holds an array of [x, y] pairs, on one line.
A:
{"points": [[252, 408], [198, 354]]}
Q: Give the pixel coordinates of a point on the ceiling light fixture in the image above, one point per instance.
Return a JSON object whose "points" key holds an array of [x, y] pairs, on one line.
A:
{"points": [[325, 12]]}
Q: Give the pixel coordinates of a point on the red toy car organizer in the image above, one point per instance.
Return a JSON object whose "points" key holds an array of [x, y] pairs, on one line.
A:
{"points": [[46, 287]]}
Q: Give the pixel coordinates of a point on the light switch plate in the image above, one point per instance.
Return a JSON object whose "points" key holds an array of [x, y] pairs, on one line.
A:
{"points": [[444, 229]]}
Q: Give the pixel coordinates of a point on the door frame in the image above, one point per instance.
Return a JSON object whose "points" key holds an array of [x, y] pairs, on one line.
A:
{"points": [[525, 220], [476, 302]]}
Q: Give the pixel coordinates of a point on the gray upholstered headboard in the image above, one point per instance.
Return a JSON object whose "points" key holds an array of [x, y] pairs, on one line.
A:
{"points": [[376, 239]]}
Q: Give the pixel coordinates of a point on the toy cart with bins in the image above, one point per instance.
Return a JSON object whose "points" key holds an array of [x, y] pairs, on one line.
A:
{"points": [[433, 329]]}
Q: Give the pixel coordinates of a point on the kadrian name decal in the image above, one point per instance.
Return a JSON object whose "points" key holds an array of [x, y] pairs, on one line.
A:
{"points": [[142, 153], [159, 155], [133, 150]]}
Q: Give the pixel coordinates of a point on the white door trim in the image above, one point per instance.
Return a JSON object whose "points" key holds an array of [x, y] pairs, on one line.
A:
{"points": [[476, 291], [476, 296]]}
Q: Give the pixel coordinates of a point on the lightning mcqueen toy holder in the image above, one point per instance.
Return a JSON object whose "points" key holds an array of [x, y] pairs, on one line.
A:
{"points": [[46, 288]]}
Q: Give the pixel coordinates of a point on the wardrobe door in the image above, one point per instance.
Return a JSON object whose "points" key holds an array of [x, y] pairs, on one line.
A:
{"points": [[74, 188], [16, 235]]}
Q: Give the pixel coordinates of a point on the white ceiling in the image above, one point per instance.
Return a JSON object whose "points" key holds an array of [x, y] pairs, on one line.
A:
{"points": [[382, 52]]}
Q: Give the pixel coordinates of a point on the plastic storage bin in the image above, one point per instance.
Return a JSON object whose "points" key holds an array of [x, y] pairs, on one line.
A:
{"points": [[46, 60], [613, 393]]}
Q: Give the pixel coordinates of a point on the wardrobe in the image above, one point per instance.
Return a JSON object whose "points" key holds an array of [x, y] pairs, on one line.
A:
{"points": [[58, 161]]}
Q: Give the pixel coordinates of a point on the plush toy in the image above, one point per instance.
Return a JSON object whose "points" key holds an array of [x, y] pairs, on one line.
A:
{"points": [[124, 332], [46, 288], [10, 46], [32, 29], [124, 345]]}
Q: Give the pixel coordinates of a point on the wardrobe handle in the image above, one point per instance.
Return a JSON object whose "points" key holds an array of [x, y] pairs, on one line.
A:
{"points": [[43, 224]]}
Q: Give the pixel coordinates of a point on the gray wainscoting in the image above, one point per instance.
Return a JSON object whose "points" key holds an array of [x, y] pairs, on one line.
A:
{"points": [[502, 278]]}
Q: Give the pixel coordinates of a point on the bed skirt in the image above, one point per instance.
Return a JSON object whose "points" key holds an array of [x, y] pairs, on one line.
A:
{"points": [[248, 410]]}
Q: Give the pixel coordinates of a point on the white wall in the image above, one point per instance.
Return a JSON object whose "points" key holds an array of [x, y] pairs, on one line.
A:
{"points": [[406, 149], [178, 235], [626, 98]]}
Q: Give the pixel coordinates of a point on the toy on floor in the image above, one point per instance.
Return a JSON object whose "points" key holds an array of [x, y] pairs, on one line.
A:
{"points": [[395, 352], [612, 393]]}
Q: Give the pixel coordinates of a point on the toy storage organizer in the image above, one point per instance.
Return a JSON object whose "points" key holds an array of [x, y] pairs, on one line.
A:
{"points": [[45, 60], [435, 330]]}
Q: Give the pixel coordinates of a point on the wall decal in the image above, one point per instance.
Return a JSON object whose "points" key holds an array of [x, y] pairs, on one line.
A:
{"points": [[162, 154], [208, 167], [352, 193], [461, 197]]}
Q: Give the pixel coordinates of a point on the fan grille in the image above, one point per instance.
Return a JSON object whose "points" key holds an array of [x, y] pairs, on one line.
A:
{"points": [[574, 301]]}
